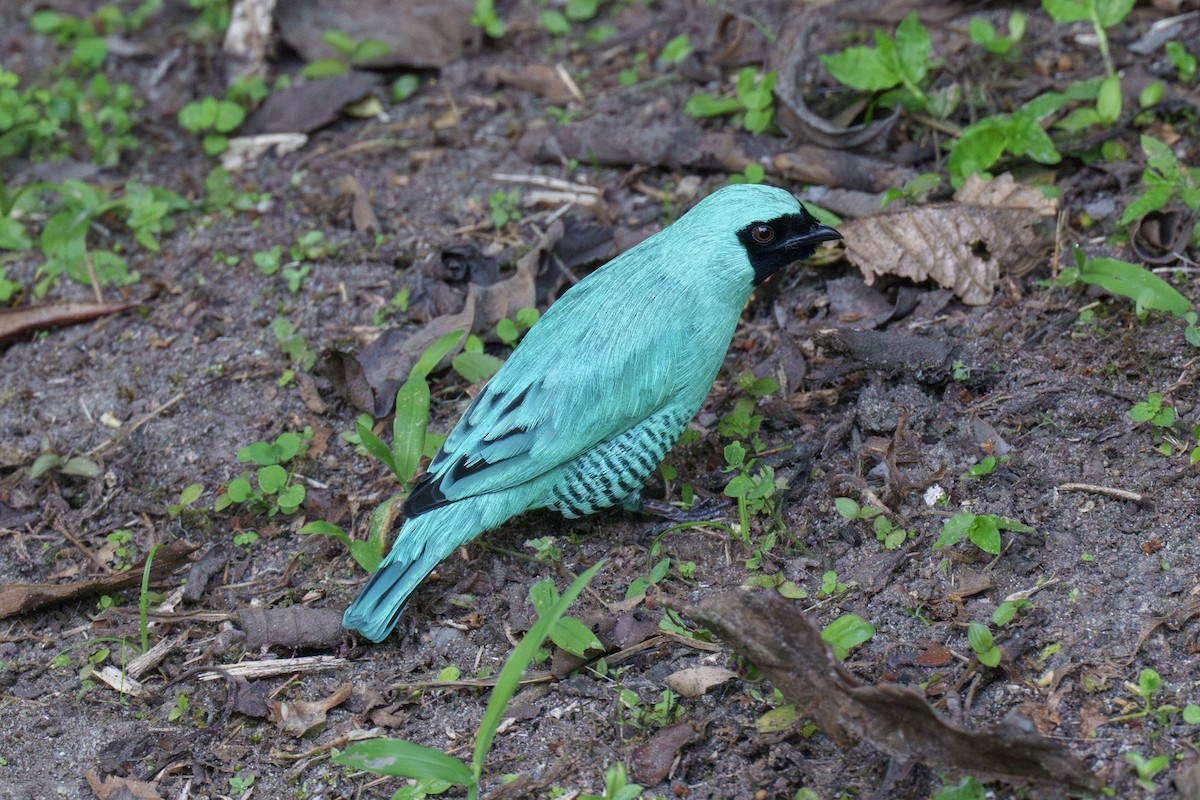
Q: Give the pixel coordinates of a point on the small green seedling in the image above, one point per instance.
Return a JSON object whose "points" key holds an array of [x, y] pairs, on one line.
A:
{"points": [[753, 173], [641, 584], [967, 788], [473, 364], [406, 759], [1163, 179], [1149, 684], [754, 102], [275, 493], [396, 306], [982, 529], [1102, 14], [984, 466], [190, 494], [979, 636], [676, 49], [616, 786], [242, 783], [983, 33], [898, 66], [665, 711], [179, 709], [293, 344], [505, 207], [1179, 57], [915, 190], [1006, 611], [547, 549], [214, 120], [75, 466], [846, 633], [1154, 411], [830, 585], [350, 52], [1147, 768], [890, 534], [485, 17]]}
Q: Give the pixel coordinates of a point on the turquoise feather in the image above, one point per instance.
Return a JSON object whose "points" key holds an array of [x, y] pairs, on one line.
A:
{"points": [[599, 390]]}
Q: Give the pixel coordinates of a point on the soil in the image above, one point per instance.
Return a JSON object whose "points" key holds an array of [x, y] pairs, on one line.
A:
{"points": [[193, 374]]}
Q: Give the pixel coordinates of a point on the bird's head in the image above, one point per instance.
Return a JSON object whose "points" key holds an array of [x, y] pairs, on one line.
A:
{"points": [[764, 225]]}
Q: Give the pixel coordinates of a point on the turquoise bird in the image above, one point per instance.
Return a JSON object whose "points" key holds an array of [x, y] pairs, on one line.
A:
{"points": [[597, 393]]}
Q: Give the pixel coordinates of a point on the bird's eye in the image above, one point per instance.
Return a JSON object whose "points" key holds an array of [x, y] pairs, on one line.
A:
{"points": [[762, 233]]}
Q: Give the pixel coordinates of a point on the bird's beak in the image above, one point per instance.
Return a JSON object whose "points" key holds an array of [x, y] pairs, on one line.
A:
{"points": [[811, 238]]}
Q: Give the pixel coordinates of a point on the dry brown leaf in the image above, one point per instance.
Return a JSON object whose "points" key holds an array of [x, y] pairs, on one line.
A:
{"points": [[115, 788], [301, 716], [960, 245], [771, 633], [695, 681]]}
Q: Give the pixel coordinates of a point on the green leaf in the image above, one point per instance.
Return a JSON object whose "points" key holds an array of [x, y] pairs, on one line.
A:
{"points": [[980, 637], [13, 235], [912, 48], [408, 428], [1145, 288], [239, 490], [861, 68], [954, 530], [1112, 12], [339, 40], [985, 534], [676, 49], [847, 632], [554, 23], [778, 720], [374, 445], [573, 636], [80, 467], [190, 494], [1160, 157], [1151, 200], [404, 759], [1066, 10], [474, 367], [847, 507], [434, 354], [705, 105], [323, 528], [272, 478], [1108, 101], [325, 68]]}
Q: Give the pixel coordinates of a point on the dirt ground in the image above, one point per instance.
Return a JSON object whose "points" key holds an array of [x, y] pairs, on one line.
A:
{"points": [[192, 374]]}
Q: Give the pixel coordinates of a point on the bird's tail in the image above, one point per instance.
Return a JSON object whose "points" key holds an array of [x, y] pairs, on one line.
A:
{"points": [[423, 542], [419, 546]]}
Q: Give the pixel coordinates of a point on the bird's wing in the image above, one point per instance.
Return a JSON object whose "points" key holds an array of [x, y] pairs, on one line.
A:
{"points": [[564, 390]]}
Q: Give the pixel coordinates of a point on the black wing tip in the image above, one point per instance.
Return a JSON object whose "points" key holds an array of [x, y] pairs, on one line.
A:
{"points": [[425, 496]]}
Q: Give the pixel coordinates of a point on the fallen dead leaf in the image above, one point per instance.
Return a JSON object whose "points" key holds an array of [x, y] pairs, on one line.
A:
{"points": [[770, 632], [15, 321], [695, 681], [300, 717], [116, 788], [962, 245], [652, 760]]}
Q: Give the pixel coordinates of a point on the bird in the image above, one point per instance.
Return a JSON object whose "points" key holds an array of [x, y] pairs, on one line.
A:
{"points": [[599, 390]]}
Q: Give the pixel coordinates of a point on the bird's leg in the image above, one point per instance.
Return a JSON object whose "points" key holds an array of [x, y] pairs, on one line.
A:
{"points": [[703, 509]]}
